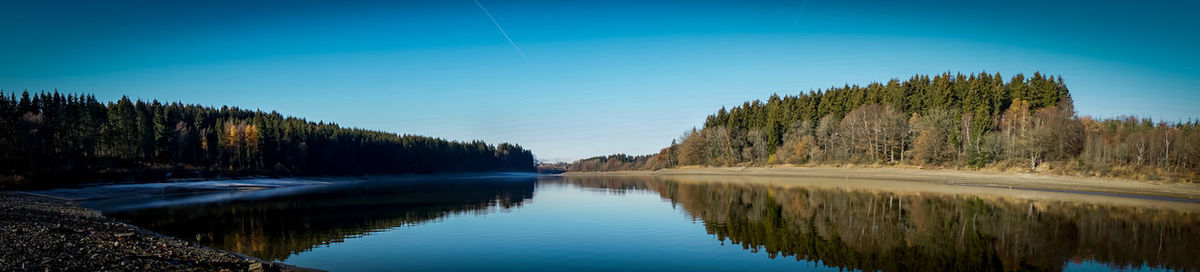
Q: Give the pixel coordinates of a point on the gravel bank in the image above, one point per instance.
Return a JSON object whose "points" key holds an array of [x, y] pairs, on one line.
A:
{"points": [[46, 234]]}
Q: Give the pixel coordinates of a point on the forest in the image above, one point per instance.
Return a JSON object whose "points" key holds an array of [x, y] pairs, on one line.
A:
{"points": [[54, 139], [962, 121]]}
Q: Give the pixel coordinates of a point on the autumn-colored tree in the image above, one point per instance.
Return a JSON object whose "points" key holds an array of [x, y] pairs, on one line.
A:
{"points": [[692, 148], [935, 143], [795, 150], [797, 146]]}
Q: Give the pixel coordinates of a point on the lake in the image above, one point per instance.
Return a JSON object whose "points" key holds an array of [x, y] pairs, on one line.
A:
{"points": [[657, 223]]}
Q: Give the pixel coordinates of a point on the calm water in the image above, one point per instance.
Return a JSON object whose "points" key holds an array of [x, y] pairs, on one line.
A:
{"points": [[514, 223]]}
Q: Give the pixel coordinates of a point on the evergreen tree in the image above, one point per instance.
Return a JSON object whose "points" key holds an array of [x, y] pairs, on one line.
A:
{"points": [[52, 139]]}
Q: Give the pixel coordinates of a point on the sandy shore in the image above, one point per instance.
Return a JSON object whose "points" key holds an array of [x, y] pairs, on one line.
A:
{"points": [[48, 234], [935, 180]]}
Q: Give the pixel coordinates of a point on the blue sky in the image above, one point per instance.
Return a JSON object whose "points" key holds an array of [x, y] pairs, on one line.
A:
{"points": [[597, 77]]}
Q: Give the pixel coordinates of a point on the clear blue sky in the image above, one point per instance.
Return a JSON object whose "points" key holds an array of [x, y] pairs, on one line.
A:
{"points": [[584, 78]]}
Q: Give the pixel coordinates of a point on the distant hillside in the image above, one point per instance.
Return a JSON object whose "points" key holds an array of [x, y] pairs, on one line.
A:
{"points": [[51, 139], [970, 121]]}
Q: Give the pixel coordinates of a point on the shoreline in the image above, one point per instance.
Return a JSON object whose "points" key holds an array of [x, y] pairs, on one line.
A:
{"points": [[46, 233], [101, 191], [24, 183], [1184, 192]]}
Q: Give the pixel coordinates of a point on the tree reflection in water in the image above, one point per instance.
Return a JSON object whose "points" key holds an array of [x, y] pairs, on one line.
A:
{"points": [[889, 231], [277, 227], [864, 229]]}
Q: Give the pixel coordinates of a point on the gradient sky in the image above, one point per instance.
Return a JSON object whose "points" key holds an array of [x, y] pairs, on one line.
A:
{"points": [[584, 78]]}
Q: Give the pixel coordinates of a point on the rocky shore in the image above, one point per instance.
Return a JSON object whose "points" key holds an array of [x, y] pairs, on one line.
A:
{"points": [[47, 234]]}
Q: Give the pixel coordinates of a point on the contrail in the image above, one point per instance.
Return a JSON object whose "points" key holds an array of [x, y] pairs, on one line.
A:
{"points": [[502, 32], [794, 23]]}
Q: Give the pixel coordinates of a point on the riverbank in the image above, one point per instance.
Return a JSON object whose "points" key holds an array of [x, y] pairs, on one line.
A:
{"points": [[1112, 186], [50, 234]]}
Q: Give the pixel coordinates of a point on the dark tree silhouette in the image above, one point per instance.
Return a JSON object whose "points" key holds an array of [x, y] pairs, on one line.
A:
{"points": [[51, 139]]}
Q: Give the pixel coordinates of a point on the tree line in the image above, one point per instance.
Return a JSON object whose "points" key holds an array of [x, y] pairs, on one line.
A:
{"points": [[947, 120], [51, 138]]}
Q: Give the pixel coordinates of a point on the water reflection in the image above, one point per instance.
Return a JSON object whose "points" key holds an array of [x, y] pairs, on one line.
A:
{"points": [[276, 227], [863, 228], [888, 231]]}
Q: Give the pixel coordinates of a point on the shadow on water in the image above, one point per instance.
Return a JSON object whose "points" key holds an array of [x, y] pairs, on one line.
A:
{"points": [[874, 230], [274, 225]]}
